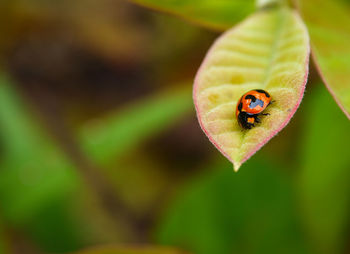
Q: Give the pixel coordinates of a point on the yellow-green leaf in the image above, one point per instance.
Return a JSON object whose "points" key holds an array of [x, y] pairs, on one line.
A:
{"points": [[329, 25], [270, 51], [132, 250], [217, 14]]}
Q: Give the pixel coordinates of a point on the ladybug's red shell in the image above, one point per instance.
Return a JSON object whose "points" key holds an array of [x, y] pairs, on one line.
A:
{"points": [[250, 106]]}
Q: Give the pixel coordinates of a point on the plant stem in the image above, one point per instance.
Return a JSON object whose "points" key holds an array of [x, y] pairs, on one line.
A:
{"points": [[265, 3]]}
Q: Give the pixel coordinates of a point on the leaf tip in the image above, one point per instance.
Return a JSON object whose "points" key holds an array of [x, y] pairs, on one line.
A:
{"points": [[236, 166]]}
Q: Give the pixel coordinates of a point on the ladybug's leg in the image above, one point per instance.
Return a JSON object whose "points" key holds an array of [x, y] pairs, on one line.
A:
{"points": [[250, 125], [257, 119], [265, 114]]}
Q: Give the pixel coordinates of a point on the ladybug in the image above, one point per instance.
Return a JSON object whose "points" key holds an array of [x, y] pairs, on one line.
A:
{"points": [[250, 106]]}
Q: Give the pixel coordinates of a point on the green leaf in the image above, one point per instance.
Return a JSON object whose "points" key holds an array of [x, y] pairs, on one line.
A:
{"points": [[217, 14], [270, 51], [325, 174], [132, 250], [33, 170], [249, 212], [114, 135], [329, 24]]}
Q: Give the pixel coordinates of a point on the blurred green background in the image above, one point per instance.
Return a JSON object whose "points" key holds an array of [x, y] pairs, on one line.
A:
{"points": [[99, 143]]}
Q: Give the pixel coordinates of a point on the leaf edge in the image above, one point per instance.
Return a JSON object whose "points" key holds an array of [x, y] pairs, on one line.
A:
{"points": [[327, 84], [203, 24]]}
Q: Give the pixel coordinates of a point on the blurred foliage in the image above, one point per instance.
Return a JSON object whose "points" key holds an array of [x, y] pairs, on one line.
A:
{"points": [[3, 244], [35, 175], [118, 133], [329, 27], [92, 24], [249, 212], [33, 185], [32, 176], [132, 250], [215, 14], [98, 137], [324, 190]]}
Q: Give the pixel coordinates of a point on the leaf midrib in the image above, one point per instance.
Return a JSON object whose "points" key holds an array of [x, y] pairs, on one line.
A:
{"points": [[278, 32]]}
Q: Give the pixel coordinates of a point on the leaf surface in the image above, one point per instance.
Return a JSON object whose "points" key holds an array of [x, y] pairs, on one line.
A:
{"points": [[270, 51], [329, 26], [214, 14]]}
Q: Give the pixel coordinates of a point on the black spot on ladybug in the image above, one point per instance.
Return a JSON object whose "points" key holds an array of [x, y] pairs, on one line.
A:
{"points": [[256, 103], [240, 106], [252, 97], [264, 92]]}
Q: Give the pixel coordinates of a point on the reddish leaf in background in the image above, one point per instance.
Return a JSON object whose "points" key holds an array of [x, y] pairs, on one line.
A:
{"points": [[329, 26]]}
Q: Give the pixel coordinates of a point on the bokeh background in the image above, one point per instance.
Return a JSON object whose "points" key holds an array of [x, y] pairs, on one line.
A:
{"points": [[99, 143]]}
